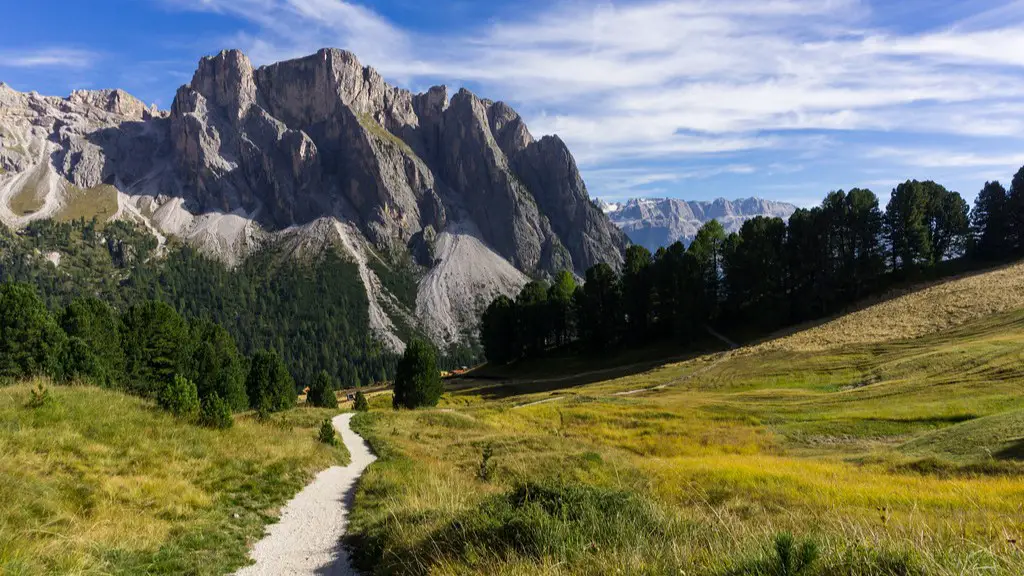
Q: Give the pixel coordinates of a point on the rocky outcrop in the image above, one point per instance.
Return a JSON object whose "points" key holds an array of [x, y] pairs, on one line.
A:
{"points": [[657, 222], [248, 152]]}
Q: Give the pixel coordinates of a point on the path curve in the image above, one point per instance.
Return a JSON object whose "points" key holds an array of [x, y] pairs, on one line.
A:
{"points": [[307, 540]]}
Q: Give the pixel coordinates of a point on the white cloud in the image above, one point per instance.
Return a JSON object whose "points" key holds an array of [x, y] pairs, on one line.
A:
{"points": [[680, 79], [938, 158], [47, 58]]}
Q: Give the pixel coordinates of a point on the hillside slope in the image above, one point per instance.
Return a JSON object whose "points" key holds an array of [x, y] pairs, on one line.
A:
{"points": [[102, 483], [915, 312], [892, 457]]}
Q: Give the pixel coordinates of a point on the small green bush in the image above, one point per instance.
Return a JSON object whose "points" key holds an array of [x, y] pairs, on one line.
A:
{"points": [[39, 396], [180, 397], [784, 558], [327, 435], [215, 413], [485, 463], [561, 522], [361, 405]]}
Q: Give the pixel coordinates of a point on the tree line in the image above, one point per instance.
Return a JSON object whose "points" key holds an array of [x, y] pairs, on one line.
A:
{"points": [[769, 274], [192, 368]]}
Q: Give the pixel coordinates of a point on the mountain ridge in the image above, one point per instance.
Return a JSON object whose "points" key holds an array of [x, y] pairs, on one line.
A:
{"points": [[657, 222], [288, 150]]}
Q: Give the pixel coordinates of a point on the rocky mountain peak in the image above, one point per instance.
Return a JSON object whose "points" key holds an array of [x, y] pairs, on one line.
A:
{"points": [[324, 146], [226, 81]]}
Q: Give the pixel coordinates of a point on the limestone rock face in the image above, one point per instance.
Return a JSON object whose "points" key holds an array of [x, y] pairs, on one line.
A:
{"points": [[249, 152]]}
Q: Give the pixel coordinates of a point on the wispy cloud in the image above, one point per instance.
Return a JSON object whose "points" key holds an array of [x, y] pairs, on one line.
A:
{"points": [[47, 58], [939, 158], [684, 79]]}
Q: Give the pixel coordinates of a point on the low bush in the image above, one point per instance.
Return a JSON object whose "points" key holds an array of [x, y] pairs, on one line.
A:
{"points": [[562, 523], [215, 413], [180, 397], [327, 434], [361, 405], [39, 396]]}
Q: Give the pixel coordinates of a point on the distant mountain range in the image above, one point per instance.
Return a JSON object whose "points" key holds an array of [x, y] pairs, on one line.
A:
{"points": [[657, 222]]}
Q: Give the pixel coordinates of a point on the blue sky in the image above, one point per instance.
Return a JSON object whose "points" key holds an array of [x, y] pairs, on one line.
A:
{"points": [[784, 99]]}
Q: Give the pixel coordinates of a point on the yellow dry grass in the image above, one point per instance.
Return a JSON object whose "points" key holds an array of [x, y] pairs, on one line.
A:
{"points": [[896, 458], [96, 482], [932, 309]]}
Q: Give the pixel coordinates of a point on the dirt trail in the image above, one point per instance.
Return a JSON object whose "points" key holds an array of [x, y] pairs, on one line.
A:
{"points": [[307, 538]]}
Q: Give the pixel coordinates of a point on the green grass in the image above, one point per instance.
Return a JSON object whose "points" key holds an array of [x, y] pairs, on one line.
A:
{"points": [[997, 437], [99, 202], [382, 134], [30, 199], [895, 458], [101, 483]]}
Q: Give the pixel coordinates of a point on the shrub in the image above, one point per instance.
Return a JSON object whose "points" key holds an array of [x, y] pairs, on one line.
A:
{"points": [[560, 521], [418, 382], [39, 396], [321, 393], [327, 434], [792, 560], [784, 558], [361, 405], [269, 385], [215, 413], [179, 397], [485, 463]]}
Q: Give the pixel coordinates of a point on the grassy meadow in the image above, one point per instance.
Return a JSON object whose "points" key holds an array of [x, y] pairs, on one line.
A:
{"points": [[97, 482], [887, 458]]}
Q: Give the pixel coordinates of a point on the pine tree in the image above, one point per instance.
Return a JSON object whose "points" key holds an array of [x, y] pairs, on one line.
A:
{"points": [[418, 382], [321, 392]]}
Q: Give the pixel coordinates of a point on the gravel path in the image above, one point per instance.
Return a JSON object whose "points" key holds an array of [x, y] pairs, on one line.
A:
{"points": [[307, 538]]}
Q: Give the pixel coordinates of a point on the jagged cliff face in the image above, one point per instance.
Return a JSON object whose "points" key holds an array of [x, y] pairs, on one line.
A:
{"points": [[657, 222], [247, 153]]}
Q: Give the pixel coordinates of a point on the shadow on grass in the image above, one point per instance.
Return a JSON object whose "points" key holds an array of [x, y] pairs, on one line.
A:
{"points": [[1014, 451], [561, 369]]}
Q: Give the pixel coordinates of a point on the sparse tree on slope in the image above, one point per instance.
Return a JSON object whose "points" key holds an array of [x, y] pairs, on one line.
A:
{"points": [[990, 222], [216, 366], [534, 317], [906, 225], [157, 346], [707, 248], [418, 382], [948, 224], [321, 392], [269, 385]]}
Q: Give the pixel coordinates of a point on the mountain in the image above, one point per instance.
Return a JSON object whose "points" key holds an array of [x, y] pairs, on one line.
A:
{"points": [[312, 153], [657, 222]]}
